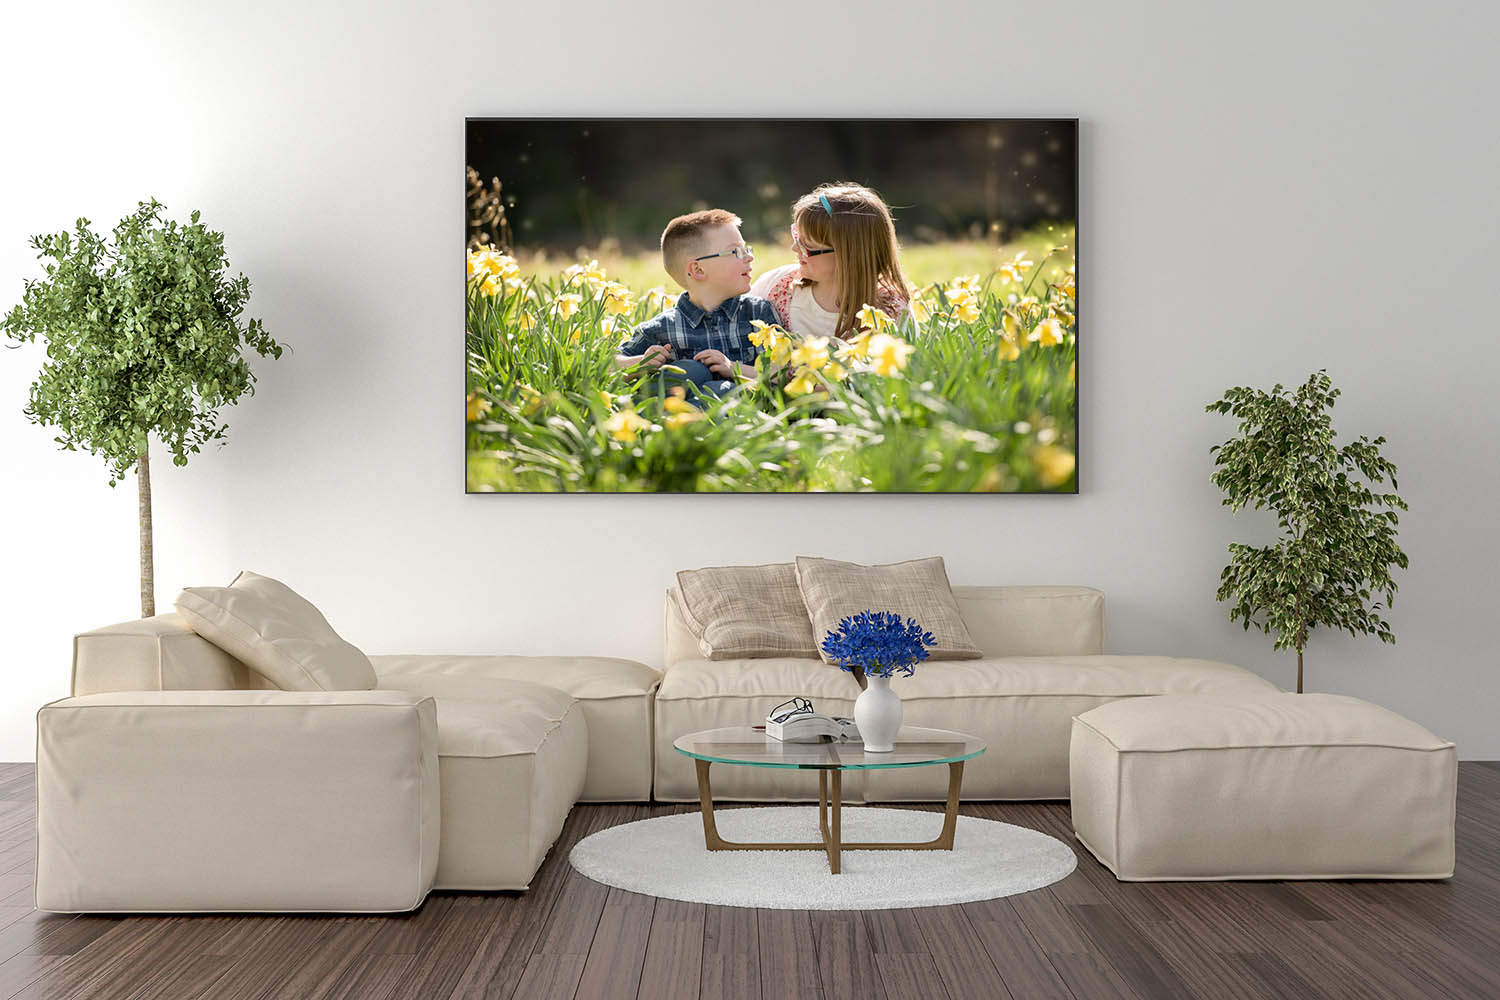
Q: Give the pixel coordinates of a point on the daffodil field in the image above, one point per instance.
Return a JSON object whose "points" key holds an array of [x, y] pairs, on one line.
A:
{"points": [[973, 391]]}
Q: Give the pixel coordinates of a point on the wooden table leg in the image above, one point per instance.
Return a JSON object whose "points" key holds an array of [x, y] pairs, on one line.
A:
{"points": [[944, 840], [830, 820], [837, 805]]}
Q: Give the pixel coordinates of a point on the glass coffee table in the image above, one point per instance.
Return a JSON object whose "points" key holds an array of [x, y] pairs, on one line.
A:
{"points": [[747, 747]]}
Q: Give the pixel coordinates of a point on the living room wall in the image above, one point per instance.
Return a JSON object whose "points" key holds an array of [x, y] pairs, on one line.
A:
{"points": [[1264, 192]]}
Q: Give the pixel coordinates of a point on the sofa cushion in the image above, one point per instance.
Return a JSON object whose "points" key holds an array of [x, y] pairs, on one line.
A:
{"points": [[1022, 706], [1108, 676], [277, 633], [615, 697], [511, 764], [918, 589], [738, 611]]}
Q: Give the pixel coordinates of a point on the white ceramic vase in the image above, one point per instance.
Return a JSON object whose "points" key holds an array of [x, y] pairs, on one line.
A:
{"points": [[877, 713]]}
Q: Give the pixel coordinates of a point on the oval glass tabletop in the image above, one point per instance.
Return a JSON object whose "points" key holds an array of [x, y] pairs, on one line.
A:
{"points": [[914, 747]]}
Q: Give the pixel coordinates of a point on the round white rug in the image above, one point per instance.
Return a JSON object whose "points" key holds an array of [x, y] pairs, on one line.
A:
{"points": [[665, 857]]}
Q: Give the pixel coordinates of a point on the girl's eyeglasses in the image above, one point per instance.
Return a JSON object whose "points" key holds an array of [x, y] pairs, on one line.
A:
{"points": [[799, 247], [744, 252]]}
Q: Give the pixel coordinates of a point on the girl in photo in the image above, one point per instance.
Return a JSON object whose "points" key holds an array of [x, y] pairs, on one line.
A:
{"points": [[847, 256]]}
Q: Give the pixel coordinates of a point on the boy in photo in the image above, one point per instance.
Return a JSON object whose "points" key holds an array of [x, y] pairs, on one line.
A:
{"points": [[707, 333]]}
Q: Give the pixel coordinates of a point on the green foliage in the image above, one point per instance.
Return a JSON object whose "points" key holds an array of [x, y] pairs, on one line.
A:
{"points": [[1339, 534], [144, 336], [985, 402]]}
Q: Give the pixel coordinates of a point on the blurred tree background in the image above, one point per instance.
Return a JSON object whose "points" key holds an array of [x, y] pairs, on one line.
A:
{"points": [[565, 187]]}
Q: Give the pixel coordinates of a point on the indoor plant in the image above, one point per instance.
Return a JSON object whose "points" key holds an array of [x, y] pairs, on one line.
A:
{"points": [[144, 336], [875, 646], [1338, 535]]}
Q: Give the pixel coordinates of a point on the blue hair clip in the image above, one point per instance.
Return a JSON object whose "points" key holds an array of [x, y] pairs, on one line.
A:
{"points": [[826, 207]]}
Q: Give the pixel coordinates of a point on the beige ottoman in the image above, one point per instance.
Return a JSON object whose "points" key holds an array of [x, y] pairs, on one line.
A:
{"points": [[1273, 787]]}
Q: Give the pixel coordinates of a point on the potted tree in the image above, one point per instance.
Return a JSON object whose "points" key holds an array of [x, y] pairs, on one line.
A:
{"points": [[1338, 534], [144, 337]]}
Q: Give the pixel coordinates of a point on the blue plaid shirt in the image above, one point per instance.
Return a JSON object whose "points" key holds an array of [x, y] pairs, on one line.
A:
{"points": [[687, 329]]}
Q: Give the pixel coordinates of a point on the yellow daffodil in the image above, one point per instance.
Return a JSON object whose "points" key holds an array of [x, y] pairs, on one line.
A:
{"points": [[609, 327], [566, 305], [625, 425], [526, 321], [658, 298], [802, 384], [1054, 464], [617, 299], [957, 286], [874, 319], [921, 309], [780, 352], [856, 348], [1015, 268], [812, 352], [890, 354], [967, 310], [1008, 349], [531, 400], [835, 372], [765, 335], [1048, 333], [477, 407], [1059, 313], [590, 275], [677, 404], [679, 420]]}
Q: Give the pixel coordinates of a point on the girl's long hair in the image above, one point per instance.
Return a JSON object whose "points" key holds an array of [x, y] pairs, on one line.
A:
{"points": [[867, 264]]}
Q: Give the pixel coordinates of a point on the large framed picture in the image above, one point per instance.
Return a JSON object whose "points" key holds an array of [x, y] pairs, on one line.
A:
{"points": [[733, 305]]}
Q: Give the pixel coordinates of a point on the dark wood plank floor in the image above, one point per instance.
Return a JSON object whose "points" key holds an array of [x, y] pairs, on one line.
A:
{"points": [[1084, 938]]}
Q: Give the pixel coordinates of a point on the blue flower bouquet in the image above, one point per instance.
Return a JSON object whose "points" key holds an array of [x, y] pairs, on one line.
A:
{"points": [[878, 644]]}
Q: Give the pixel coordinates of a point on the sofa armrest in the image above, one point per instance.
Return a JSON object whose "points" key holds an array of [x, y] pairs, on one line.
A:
{"points": [[248, 801]]}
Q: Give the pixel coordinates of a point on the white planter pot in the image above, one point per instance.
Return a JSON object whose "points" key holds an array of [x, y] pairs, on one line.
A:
{"points": [[877, 713]]}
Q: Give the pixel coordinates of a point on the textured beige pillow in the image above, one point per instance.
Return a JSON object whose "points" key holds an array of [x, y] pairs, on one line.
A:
{"points": [[278, 634], [917, 589], [741, 611]]}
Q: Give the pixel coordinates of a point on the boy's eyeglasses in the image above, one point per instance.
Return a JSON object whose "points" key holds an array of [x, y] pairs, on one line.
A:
{"points": [[799, 247], [744, 252]]}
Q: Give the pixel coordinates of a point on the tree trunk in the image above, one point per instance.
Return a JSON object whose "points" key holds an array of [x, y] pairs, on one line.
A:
{"points": [[1299, 671], [148, 576]]}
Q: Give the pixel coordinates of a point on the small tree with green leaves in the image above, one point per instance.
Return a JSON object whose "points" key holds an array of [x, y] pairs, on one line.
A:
{"points": [[144, 336], [1338, 539]]}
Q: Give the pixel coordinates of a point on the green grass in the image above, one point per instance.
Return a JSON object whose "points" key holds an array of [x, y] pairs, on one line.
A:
{"points": [[924, 263], [966, 411]]}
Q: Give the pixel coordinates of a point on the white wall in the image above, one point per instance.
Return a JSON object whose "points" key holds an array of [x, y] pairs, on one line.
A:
{"points": [[1263, 193]]}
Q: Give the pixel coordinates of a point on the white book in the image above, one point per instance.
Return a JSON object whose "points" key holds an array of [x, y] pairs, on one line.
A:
{"points": [[811, 727]]}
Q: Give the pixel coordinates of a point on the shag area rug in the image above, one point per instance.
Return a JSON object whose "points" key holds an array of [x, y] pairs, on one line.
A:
{"points": [[665, 857]]}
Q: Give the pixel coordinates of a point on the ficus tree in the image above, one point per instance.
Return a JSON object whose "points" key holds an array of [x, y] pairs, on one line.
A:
{"points": [[144, 335], [1338, 528]]}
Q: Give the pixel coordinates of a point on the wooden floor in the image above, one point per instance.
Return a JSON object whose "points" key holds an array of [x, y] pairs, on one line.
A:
{"points": [[1086, 937]]}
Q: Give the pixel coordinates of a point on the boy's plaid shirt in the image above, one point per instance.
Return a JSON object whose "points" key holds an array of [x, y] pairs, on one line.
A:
{"points": [[687, 329]]}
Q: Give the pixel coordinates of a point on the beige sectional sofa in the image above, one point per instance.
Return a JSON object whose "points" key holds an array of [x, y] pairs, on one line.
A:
{"points": [[236, 796]]}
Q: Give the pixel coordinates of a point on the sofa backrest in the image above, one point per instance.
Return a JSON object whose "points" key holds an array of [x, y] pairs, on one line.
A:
{"points": [[155, 654], [1003, 621]]}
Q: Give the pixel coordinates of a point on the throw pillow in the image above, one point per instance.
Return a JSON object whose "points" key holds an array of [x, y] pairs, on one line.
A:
{"points": [[917, 589], [744, 611], [277, 633]]}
